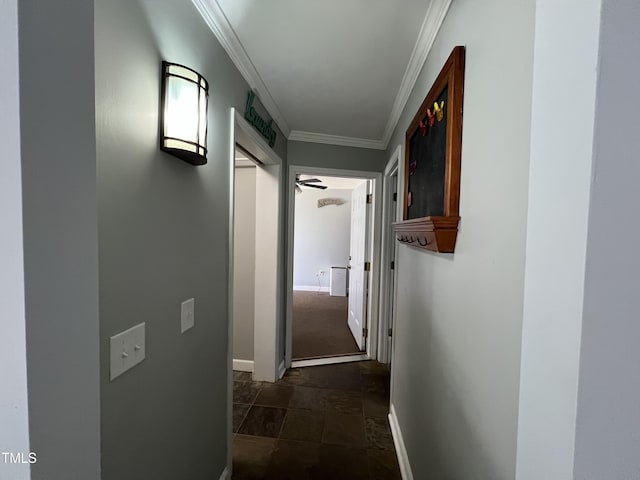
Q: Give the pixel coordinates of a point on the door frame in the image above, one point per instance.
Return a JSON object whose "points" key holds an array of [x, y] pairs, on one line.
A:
{"points": [[268, 263], [395, 165], [374, 253]]}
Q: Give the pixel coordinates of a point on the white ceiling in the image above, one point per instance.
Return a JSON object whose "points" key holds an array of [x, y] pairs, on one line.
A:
{"points": [[329, 69]]}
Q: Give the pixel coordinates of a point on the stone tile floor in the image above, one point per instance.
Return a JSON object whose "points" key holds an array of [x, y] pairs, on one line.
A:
{"points": [[319, 423]]}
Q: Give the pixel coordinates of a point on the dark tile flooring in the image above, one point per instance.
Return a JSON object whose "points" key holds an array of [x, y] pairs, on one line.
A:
{"points": [[321, 423]]}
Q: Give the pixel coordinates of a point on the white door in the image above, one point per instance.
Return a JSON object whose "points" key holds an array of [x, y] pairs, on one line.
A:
{"points": [[358, 277]]}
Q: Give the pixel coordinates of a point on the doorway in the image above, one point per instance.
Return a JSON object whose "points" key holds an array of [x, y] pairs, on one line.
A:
{"points": [[269, 258], [332, 310], [324, 241], [392, 212], [266, 246], [244, 261]]}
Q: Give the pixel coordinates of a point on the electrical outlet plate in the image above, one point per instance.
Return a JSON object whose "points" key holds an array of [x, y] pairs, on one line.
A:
{"points": [[187, 315], [127, 349]]}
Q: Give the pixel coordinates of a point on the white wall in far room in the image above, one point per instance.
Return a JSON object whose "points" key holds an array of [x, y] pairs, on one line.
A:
{"points": [[321, 237]]}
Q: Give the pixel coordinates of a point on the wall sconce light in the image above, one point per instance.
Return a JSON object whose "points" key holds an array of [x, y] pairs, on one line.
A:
{"points": [[185, 95]]}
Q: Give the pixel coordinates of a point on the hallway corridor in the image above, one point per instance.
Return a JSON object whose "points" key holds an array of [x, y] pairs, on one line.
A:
{"points": [[327, 422]]}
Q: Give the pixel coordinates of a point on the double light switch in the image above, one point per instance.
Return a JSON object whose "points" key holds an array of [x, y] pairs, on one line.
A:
{"points": [[127, 350], [128, 347]]}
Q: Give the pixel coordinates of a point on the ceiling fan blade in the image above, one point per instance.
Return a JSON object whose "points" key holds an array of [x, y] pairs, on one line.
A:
{"points": [[321, 187], [298, 189], [310, 180]]}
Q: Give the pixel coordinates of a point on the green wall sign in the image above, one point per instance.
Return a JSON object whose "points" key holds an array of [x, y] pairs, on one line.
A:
{"points": [[260, 124]]}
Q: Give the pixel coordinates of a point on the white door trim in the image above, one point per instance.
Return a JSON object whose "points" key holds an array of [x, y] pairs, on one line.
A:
{"points": [[272, 158], [395, 165], [232, 178], [374, 293], [266, 364]]}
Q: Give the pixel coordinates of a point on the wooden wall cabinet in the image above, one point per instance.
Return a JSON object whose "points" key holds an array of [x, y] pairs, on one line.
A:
{"points": [[433, 144]]}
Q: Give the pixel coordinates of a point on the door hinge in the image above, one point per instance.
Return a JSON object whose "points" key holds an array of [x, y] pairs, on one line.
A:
{"points": [[370, 198], [390, 332], [393, 265], [395, 196], [367, 266], [365, 332]]}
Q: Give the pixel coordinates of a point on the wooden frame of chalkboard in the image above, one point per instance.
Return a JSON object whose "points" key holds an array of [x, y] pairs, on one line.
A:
{"points": [[433, 145]]}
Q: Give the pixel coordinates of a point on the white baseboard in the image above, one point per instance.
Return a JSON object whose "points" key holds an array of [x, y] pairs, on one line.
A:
{"points": [[398, 441], [310, 288], [312, 362], [225, 474], [243, 365]]}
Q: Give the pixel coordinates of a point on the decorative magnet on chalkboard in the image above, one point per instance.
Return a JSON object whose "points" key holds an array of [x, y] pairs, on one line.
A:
{"points": [[412, 167], [409, 199], [432, 117], [423, 128], [439, 110]]}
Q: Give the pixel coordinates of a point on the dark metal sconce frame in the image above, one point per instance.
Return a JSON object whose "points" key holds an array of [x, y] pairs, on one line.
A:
{"points": [[187, 150]]}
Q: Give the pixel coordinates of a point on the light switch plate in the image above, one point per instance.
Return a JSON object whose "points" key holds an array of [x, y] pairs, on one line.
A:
{"points": [[127, 350], [187, 314]]}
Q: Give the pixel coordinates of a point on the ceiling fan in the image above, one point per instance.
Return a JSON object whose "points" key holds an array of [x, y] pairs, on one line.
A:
{"points": [[308, 182]]}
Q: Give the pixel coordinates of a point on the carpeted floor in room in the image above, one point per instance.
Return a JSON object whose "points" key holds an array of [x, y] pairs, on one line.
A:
{"points": [[320, 326]]}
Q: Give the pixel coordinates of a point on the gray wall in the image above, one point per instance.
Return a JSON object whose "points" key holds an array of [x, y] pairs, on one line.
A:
{"points": [[244, 263], [607, 441], [60, 236], [456, 358], [336, 156], [321, 236], [164, 233], [14, 415]]}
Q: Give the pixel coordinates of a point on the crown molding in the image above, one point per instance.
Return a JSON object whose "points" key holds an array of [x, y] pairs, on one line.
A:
{"points": [[313, 137], [436, 12], [217, 21]]}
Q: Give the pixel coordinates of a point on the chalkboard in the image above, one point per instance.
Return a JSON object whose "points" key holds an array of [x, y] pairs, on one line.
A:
{"points": [[432, 156], [427, 164]]}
